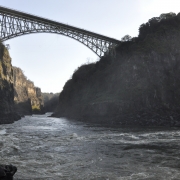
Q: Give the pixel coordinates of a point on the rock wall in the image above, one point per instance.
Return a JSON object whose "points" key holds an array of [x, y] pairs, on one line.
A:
{"points": [[27, 97], [34, 93], [21, 98], [140, 86], [7, 110]]}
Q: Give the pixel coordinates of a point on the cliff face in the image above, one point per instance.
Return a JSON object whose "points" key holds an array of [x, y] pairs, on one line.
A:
{"points": [[140, 86], [27, 97], [35, 96], [21, 98], [7, 111]]}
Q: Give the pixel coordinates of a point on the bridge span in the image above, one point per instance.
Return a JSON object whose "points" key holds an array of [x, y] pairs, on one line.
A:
{"points": [[15, 23]]}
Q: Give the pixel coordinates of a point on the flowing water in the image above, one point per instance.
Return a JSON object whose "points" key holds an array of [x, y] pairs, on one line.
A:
{"points": [[45, 148]]}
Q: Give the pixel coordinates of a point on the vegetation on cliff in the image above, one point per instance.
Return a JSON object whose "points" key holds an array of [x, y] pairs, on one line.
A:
{"points": [[139, 86]]}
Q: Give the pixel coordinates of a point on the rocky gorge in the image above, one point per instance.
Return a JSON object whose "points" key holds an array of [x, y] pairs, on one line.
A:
{"points": [[139, 86], [18, 95]]}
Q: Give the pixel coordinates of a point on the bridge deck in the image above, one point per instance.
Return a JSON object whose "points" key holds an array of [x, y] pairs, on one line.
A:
{"points": [[44, 20]]}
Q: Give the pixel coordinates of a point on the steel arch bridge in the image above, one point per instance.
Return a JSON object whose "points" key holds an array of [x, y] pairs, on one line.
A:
{"points": [[15, 23]]}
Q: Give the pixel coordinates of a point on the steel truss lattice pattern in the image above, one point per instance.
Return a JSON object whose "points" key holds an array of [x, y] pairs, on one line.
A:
{"points": [[14, 23]]}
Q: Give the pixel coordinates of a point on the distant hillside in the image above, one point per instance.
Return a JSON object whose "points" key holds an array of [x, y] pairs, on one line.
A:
{"points": [[50, 101], [140, 86]]}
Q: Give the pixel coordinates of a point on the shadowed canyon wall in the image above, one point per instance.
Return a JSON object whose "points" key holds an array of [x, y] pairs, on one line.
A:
{"points": [[7, 110], [140, 86]]}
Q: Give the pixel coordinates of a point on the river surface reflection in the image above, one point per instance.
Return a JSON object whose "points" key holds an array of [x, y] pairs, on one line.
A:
{"points": [[45, 148]]}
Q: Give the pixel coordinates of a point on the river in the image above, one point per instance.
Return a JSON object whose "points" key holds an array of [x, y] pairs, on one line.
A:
{"points": [[46, 148]]}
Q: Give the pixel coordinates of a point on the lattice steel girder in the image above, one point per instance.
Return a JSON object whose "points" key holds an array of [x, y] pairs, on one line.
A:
{"points": [[15, 23]]}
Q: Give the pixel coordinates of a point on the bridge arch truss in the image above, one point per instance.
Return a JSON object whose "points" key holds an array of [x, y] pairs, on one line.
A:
{"points": [[14, 23]]}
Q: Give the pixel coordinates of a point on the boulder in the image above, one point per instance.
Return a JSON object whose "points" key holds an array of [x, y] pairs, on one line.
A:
{"points": [[7, 172]]}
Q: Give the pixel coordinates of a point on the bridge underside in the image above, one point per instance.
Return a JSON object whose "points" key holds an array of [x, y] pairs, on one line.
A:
{"points": [[14, 24]]}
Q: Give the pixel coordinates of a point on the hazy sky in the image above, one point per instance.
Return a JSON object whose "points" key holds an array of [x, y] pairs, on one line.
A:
{"points": [[50, 59]]}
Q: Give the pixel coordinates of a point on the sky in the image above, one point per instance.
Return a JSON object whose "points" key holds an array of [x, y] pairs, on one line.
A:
{"points": [[49, 60]]}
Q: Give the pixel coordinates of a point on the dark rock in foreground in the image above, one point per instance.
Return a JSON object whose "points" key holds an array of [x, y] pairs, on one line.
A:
{"points": [[7, 172]]}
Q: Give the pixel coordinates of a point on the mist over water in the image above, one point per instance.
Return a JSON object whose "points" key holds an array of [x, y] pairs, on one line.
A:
{"points": [[45, 148]]}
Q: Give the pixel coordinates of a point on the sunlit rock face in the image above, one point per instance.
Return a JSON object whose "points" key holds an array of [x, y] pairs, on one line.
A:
{"points": [[35, 96], [18, 96], [27, 97], [7, 110], [140, 86], [21, 98]]}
